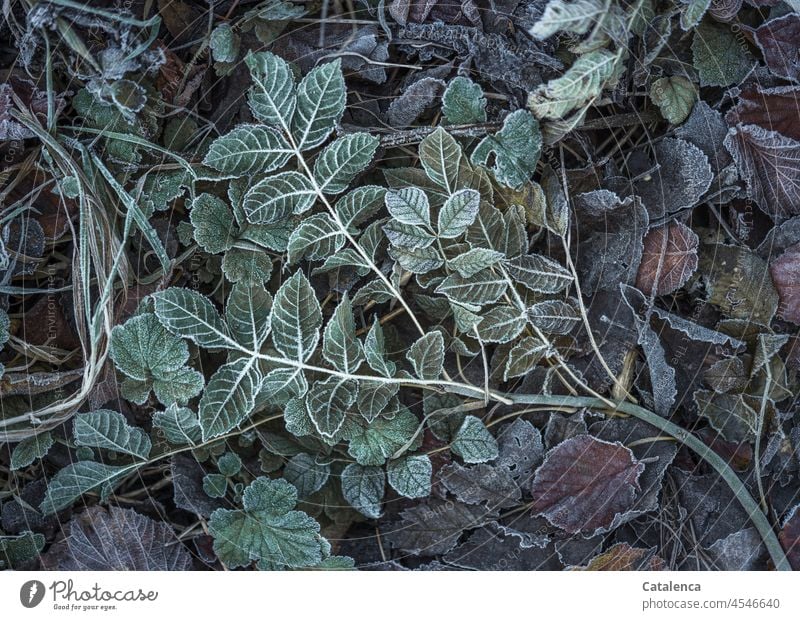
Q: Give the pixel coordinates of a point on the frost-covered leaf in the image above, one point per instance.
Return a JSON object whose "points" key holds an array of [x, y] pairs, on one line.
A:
{"points": [[539, 273], [410, 476], [248, 149], [440, 155], [320, 103], [417, 260], [515, 147], [770, 164], [692, 12], [360, 204], [376, 442], [482, 483], [790, 537], [785, 271], [224, 43], [108, 429], [728, 414], [215, 485], [674, 96], [340, 346], [306, 474], [471, 262], [375, 351], [267, 529], [120, 539], [473, 442], [272, 95], [463, 102], [179, 425], [363, 488], [142, 348], [718, 56], [188, 314], [554, 316], [458, 212], [328, 402], [484, 287], [214, 227], [409, 205], [524, 356], [427, 356], [281, 385], [296, 319], [248, 266], [316, 238], [229, 397], [577, 17], [178, 386], [584, 483], [277, 197], [374, 397], [343, 160], [78, 478], [16, 551], [668, 260], [778, 39], [407, 236], [520, 450], [582, 82], [501, 324], [247, 314], [29, 450]]}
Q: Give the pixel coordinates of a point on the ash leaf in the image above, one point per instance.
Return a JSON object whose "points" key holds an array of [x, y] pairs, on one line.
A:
{"points": [[501, 324], [360, 204], [458, 213], [584, 483], [296, 319], [188, 314], [343, 160], [229, 397], [340, 346], [120, 539], [247, 315], [363, 488], [524, 356], [473, 442], [179, 425], [481, 483], [409, 205], [315, 238], [463, 102], [306, 474], [275, 198], [248, 149], [482, 288], [376, 442], [328, 402], [472, 261], [440, 156], [427, 356], [410, 476], [668, 260], [539, 273], [78, 478], [516, 148], [320, 103], [553, 316], [272, 95], [108, 429], [375, 351]]}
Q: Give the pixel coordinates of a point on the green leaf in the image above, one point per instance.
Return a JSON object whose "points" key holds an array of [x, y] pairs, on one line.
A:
{"points": [[407, 236], [363, 488], [342, 160], [214, 227], [524, 357], [459, 212], [188, 314], [553, 316], [358, 205], [463, 102], [577, 17], [539, 274], [409, 205], [247, 315], [674, 96], [410, 476], [142, 348], [427, 356], [379, 440], [215, 485], [320, 103], [718, 56], [31, 449], [501, 324], [229, 397], [484, 287], [251, 267], [296, 319], [473, 442], [583, 82], [471, 262], [224, 43], [328, 402], [374, 398], [277, 197], [440, 155], [317, 237], [17, 550], [306, 474], [340, 346], [108, 429], [375, 350], [267, 529], [248, 149], [283, 384], [179, 425], [693, 12], [79, 478], [516, 148], [229, 464], [271, 96]]}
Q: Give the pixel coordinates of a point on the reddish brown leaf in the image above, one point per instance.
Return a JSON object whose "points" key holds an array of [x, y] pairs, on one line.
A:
{"points": [[584, 483], [790, 537], [770, 163], [668, 259], [779, 40], [774, 109], [785, 272], [624, 557]]}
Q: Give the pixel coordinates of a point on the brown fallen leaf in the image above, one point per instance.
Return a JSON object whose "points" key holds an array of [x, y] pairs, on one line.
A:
{"points": [[668, 260], [785, 271], [623, 557]]}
